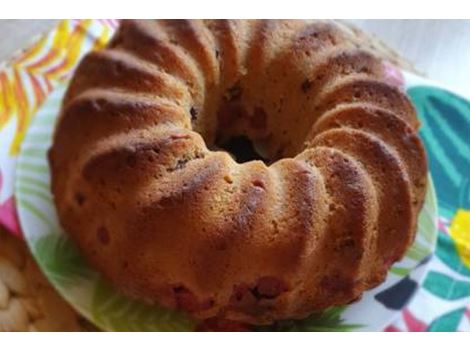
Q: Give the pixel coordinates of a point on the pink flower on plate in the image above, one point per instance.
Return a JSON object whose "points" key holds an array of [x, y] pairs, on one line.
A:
{"points": [[443, 225], [8, 217], [394, 75], [412, 322], [392, 328]]}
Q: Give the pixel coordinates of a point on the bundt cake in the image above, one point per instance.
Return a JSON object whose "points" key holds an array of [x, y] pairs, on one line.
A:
{"points": [[315, 213]]}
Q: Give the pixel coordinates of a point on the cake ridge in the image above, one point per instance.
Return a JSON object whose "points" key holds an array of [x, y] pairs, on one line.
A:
{"points": [[123, 70], [393, 130], [391, 182], [173, 59], [381, 89], [358, 215]]}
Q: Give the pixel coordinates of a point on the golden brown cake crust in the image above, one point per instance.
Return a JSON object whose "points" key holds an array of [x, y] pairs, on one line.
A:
{"points": [[141, 187]]}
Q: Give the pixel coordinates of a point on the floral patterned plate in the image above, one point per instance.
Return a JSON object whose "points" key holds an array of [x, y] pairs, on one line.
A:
{"points": [[95, 299]]}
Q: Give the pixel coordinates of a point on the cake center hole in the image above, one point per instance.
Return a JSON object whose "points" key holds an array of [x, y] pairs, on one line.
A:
{"points": [[238, 126], [242, 149]]}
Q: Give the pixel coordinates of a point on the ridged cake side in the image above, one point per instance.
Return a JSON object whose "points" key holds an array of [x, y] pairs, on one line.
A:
{"points": [[139, 186]]}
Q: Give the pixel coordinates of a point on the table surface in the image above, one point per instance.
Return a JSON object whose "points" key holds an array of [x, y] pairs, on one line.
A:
{"points": [[438, 48]]}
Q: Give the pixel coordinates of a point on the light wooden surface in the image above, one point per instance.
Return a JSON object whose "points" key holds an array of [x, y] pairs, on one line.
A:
{"points": [[438, 48], [18, 34]]}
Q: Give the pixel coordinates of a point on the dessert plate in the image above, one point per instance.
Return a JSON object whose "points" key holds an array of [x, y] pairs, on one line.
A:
{"points": [[98, 301]]}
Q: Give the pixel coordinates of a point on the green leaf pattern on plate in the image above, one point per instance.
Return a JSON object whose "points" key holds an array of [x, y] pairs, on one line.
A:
{"points": [[328, 320], [447, 322], [61, 260], [112, 309], [446, 287]]}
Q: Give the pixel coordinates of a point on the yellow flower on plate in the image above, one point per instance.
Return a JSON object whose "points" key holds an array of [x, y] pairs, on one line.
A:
{"points": [[460, 232]]}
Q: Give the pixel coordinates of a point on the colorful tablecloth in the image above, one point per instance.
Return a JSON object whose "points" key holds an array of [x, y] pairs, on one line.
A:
{"points": [[443, 301]]}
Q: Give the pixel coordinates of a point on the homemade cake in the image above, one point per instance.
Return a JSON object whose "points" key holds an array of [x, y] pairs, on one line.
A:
{"points": [[144, 185]]}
